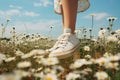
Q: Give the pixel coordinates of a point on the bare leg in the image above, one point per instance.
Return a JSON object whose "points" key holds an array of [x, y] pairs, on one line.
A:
{"points": [[69, 13]]}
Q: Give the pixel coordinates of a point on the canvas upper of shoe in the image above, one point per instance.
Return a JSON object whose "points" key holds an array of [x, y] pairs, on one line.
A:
{"points": [[66, 42], [59, 41]]}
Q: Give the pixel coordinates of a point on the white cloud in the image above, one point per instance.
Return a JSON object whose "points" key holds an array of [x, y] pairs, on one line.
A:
{"points": [[37, 4], [9, 12], [36, 27], [15, 7], [41, 26], [43, 3], [98, 16], [31, 27], [32, 14], [1, 13], [14, 12]]}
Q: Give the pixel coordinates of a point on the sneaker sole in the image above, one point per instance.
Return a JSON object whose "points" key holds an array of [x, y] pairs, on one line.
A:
{"points": [[67, 53]]}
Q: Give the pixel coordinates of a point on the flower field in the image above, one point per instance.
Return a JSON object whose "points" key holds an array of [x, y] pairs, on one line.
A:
{"points": [[21, 58]]}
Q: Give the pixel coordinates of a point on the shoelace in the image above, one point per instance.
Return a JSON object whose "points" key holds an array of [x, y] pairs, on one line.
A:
{"points": [[63, 35], [62, 41]]}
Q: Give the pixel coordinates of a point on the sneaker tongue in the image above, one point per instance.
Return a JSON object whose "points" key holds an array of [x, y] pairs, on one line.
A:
{"points": [[67, 30]]}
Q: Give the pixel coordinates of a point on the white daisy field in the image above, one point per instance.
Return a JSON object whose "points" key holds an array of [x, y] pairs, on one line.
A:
{"points": [[96, 59]]}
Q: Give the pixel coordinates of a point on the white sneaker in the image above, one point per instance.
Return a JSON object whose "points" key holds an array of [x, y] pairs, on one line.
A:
{"points": [[65, 46]]}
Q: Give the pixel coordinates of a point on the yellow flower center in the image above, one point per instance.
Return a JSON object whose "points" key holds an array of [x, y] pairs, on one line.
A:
{"points": [[101, 76], [48, 78], [50, 61], [10, 79], [20, 73], [119, 42], [36, 52], [102, 62]]}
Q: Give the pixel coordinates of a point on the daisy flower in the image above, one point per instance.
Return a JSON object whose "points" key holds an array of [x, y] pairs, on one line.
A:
{"points": [[10, 59], [19, 53], [101, 75], [86, 48], [24, 64], [50, 61], [50, 77], [72, 76]]}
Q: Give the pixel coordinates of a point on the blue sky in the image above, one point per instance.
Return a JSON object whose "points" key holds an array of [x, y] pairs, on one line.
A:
{"points": [[37, 16]]}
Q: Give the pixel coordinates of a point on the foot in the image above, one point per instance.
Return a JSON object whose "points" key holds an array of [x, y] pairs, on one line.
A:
{"points": [[65, 46]]}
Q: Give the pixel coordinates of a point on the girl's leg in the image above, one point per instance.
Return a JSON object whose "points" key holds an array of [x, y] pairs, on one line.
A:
{"points": [[69, 13], [67, 43]]}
